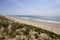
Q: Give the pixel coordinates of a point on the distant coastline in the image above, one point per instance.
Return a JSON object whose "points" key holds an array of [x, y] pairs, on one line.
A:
{"points": [[54, 27], [15, 28], [35, 19]]}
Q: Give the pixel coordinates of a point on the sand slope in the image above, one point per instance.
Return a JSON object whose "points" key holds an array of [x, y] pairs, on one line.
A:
{"points": [[44, 25]]}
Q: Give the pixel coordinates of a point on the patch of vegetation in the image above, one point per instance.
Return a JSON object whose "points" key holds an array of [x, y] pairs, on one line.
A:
{"points": [[13, 30]]}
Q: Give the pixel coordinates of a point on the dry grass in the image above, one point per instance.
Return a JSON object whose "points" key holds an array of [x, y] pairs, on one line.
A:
{"points": [[10, 30]]}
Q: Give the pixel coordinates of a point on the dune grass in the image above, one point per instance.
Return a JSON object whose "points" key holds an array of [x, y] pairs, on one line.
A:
{"points": [[14, 30]]}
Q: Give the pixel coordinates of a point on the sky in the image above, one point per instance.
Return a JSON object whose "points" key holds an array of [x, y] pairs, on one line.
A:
{"points": [[30, 7]]}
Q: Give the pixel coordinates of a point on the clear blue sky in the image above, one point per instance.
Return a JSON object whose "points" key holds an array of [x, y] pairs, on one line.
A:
{"points": [[30, 7]]}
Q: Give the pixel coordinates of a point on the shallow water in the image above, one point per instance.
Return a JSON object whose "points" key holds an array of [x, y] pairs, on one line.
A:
{"points": [[53, 19]]}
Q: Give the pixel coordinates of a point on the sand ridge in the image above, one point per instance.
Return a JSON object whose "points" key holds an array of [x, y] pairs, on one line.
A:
{"points": [[44, 25]]}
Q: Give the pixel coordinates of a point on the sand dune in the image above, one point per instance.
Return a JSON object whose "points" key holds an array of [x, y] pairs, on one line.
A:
{"points": [[44, 25]]}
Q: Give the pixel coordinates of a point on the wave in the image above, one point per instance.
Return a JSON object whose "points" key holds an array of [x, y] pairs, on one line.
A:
{"points": [[46, 21], [40, 20], [35, 19]]}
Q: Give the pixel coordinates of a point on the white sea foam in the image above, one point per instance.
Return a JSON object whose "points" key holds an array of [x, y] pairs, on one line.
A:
{"points": [[46, 21], [40, 20]]}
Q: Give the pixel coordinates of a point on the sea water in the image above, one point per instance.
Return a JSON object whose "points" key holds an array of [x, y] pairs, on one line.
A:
{"points": [[52, 19]]}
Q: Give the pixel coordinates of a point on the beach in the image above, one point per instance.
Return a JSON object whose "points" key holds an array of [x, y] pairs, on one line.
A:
{"points": [[54, 27]]}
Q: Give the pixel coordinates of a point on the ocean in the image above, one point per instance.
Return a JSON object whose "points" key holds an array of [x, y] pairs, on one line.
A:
{"points": [[52, 19]]}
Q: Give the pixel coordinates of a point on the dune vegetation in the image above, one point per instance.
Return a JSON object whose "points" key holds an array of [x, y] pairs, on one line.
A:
{"points": [[10, 30]]}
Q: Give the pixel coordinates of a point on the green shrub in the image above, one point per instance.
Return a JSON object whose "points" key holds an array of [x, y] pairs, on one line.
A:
{"points": [[4, 24]]}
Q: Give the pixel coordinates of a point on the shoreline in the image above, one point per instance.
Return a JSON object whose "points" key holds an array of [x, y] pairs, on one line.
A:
{"points": [[54, 27], [47, 21], [38, 20]]}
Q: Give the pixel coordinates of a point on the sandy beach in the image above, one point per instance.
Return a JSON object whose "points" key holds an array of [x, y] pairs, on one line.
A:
{"points": [[54, 27]]}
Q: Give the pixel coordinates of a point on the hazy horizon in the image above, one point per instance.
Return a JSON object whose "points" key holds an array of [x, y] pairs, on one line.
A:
{"points": [[30, 7]]}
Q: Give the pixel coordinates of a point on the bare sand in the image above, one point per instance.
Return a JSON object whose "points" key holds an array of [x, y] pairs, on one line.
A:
{"points": [[54, 27]]}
